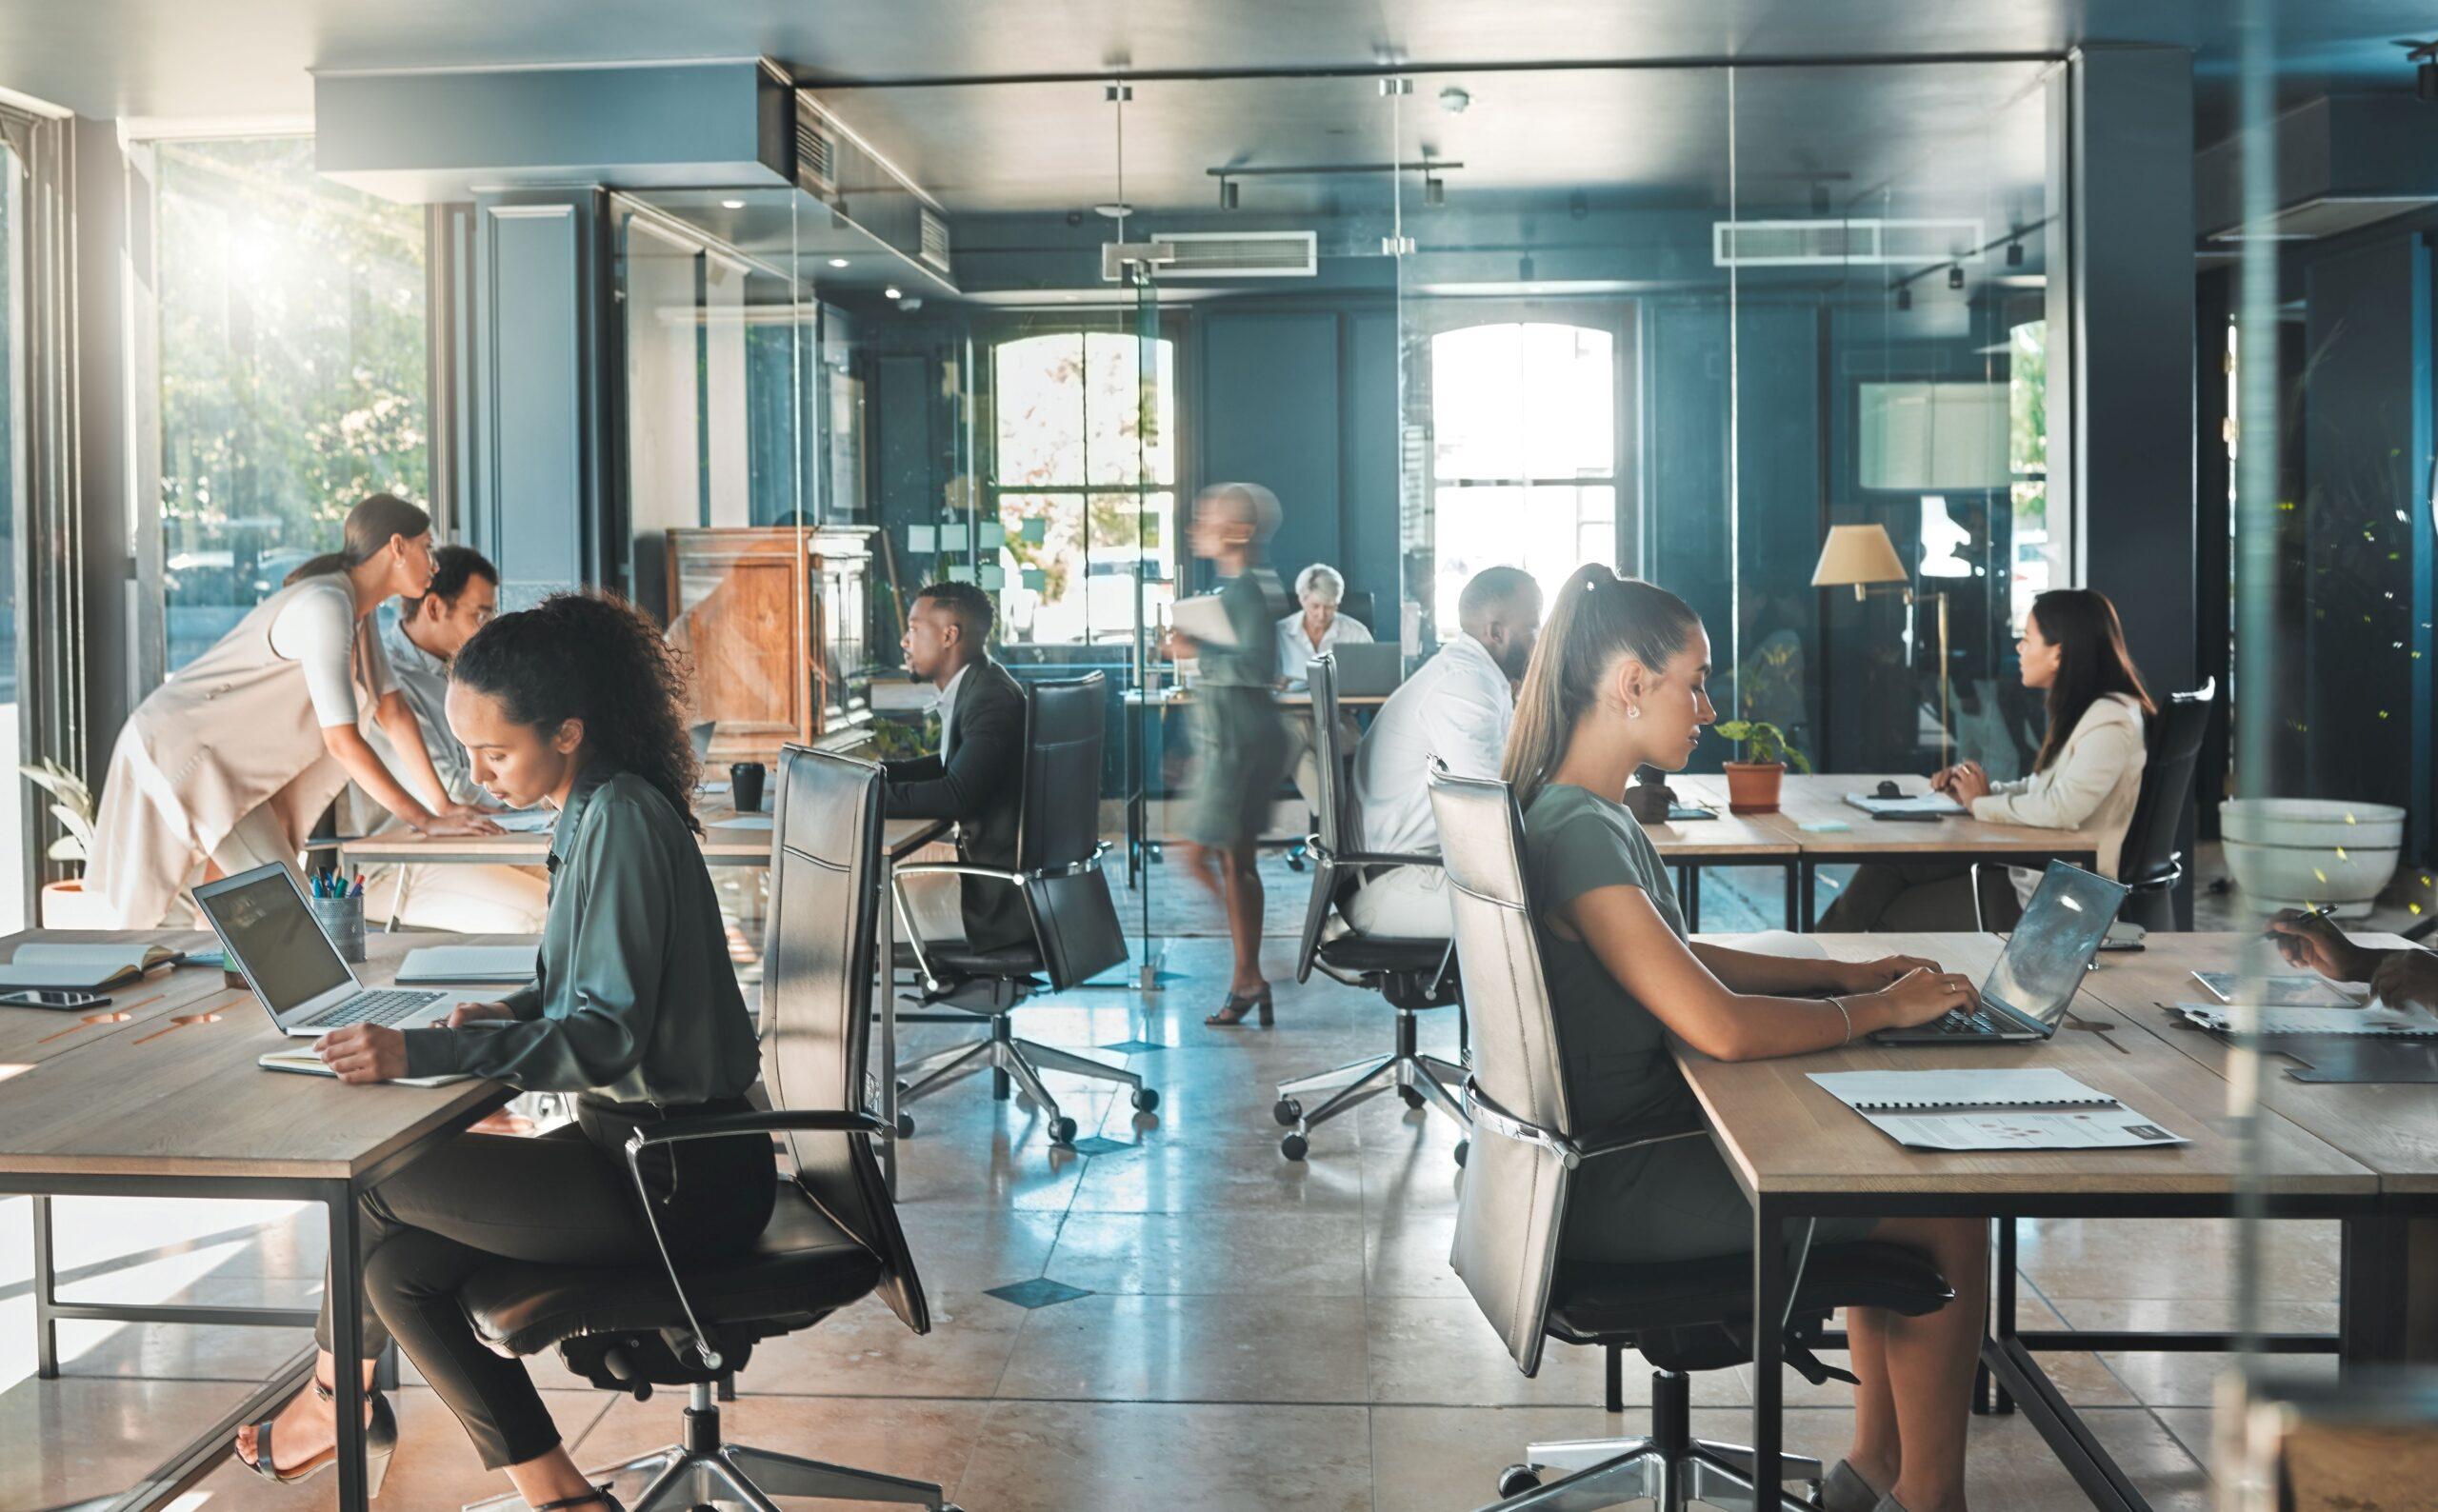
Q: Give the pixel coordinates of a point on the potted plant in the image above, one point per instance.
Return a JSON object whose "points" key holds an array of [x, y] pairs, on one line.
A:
{"points": [[64, 904], [1752, 784]]}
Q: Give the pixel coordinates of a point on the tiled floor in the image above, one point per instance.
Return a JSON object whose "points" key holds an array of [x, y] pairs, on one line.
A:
{"points": [[1255, 1334]]}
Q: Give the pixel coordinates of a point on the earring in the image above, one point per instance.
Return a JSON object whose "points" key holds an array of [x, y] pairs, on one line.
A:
{"points": [[1633, 711]]}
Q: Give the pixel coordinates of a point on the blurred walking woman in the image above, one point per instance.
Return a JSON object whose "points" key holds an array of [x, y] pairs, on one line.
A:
{"points": [[227, 765], [1240, 744], [579, 703]]}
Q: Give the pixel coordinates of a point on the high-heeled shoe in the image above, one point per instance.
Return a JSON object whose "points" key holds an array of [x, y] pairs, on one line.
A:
{"points": [[598, 1497], [1232, 1013], [380, 1442], [1844, 1490]]}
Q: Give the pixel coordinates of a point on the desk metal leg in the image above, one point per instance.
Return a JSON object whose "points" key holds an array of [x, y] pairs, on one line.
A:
{"points": [[1807, 905], [45, 1294], [888, 1021], [1688, 895], [2371, 1266], [1794, 882], [2003, 1297], [1771, 1281], [347, 1344]]}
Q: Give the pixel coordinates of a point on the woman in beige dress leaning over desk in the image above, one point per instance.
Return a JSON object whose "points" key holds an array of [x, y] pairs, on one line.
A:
{"points": [[229, 762]]}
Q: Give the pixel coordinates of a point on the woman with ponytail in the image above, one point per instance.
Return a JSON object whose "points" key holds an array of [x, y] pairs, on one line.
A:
{"points": [[230, 761], [1618, 682], [578, 703]]}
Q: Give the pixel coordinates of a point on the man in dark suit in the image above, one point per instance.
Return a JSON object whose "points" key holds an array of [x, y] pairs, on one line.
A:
{"points": [[977, 778]]}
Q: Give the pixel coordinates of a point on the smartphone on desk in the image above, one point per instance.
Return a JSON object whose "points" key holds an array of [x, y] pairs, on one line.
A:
{"points": [[59, 1001]]}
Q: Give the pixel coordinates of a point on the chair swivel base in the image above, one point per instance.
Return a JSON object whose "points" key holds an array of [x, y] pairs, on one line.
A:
{"points": [[1669, 1468], [1011, 1059], [1421, 1080], [702, 1471]]}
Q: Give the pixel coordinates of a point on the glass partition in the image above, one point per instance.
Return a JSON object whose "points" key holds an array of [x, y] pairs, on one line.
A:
{"points": [[17, 870]]}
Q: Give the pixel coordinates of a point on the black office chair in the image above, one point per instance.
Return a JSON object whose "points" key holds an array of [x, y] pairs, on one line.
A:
{"points": [[2148, 862], [1076, 932], [1413, 975], [1355, 604], [833, 1237], [1512, 1214]]}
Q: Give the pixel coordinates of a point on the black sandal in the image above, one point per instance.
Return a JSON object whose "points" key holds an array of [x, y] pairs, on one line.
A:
{"points": [[599, 1496], [380, 1442]]}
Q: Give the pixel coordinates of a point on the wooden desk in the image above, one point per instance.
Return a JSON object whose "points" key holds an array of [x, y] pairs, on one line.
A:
{"points": [[154, 1107], [1729, 840], [1800, 1154], [1822, 797]]}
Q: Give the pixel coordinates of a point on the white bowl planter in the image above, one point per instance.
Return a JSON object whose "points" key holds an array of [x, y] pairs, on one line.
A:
{"points": [[2303, 852], [67, 905]]}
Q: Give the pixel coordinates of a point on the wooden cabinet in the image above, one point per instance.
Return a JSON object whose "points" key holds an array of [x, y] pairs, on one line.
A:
{"points": [[776, 621]]}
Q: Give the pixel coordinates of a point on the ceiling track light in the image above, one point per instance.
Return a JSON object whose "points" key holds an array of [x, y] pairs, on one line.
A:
{"points": [[1904, 299], [2014, 255], [1434, 189], [1955, 275], [1228, 194]]}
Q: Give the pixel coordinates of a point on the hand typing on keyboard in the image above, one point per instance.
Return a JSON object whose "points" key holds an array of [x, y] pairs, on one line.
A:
{"points": [[364, 1052]]}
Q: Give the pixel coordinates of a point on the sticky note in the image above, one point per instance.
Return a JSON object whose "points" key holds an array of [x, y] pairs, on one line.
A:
{"points": [[921, 538], [991, 535], [1824, 826]]}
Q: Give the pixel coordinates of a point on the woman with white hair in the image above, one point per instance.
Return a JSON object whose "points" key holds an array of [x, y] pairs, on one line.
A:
{"points": [[1316, 628]]}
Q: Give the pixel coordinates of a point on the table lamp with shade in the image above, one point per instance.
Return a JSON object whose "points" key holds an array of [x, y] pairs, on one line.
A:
{"points": [[1859, 556]]}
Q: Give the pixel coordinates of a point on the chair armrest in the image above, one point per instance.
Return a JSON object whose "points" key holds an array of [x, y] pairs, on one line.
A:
{"points": [[957, 868], [1979, 921], [1632, 1136], [824, 1120], [1382, 858]]}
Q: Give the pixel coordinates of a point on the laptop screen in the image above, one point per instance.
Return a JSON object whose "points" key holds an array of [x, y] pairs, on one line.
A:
{"points": [[273, 935], [2041, 967]]}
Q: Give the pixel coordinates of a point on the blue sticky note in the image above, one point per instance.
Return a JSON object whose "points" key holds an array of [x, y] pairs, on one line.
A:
{"points": [[1824, 826]]}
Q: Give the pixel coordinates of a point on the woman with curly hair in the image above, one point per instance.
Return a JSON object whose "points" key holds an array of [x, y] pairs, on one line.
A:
{"points": [[634, 1007]]}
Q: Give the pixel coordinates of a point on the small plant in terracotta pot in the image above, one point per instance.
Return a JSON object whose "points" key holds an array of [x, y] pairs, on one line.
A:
{"points": [[1752, 782], [65, 905]]}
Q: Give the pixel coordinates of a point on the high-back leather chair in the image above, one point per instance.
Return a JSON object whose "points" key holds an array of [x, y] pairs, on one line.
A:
{"points": [[1075, 927], [1510, 1215], [833, 1237], [2148, 862], [1413, 975]]}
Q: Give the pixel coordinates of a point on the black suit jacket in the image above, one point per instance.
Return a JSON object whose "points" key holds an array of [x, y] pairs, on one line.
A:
{"points": [[979, 783]]}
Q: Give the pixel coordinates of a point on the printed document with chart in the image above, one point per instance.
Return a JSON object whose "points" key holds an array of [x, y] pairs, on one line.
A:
{"points": [[2037, 1109]]}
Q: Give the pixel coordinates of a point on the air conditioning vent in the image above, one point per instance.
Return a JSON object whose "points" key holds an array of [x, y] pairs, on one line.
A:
{"points": [[1803, 243], [816, 157], [1243, 254], [934, 246]]}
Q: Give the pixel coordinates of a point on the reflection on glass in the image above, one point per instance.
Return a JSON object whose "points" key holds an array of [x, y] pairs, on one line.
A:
{"points": [[14, 862], [292, 352]]}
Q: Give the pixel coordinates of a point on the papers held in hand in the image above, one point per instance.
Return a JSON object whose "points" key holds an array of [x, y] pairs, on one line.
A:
{"points": [[84, 967], [1203, 620], [2034, 1109]]}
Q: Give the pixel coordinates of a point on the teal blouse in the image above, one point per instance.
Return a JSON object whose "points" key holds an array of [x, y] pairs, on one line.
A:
{"points": [[1252, 599], [633, 996]]}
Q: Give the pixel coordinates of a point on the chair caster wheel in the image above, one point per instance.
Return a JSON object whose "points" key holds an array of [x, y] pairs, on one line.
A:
{"points": [[906, 1126], [1517, 1479], [1146, 1099], [1287, 1111], [1294, 862], [1062, 1131], [1409, 1097], [1464, 1148], [1294, 1147]]}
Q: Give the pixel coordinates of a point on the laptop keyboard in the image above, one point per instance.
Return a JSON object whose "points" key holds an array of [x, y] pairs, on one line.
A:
{"points": [[387, 1007], [1958, 1022]]}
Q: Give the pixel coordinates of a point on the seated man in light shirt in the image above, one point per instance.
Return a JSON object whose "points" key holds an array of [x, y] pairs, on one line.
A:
{"points": [[1315, 629], [421, 641], [1456, 708]]}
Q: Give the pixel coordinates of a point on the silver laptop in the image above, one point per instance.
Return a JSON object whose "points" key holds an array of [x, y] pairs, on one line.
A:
{"points": [[2025, 995], [1369, 671], [701, 733], [296, 971]]}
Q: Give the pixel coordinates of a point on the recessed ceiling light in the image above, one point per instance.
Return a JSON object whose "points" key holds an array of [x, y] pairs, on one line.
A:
{"points": [[837, 261], [891, 292], [731, 205]]}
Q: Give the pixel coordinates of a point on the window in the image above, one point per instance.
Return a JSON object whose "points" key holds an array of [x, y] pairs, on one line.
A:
{"points": [[1084, 482], [1524, 461], [292, 350], [2040, 554], [15, 872]]}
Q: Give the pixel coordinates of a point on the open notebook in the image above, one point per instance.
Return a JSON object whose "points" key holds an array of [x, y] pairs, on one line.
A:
{"points": [[2030, 1109], [92, 967]]}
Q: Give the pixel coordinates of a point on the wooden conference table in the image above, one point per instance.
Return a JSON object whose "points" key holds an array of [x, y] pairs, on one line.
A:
{"points": [[2366, 1155], [1817, 798]]}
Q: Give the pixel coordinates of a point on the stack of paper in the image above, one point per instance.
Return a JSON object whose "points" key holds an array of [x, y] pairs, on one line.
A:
{"points": [[508, 963], [2036, 1109]]}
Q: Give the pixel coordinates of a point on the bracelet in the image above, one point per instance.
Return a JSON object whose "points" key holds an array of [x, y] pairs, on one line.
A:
{"points": [[1840, 1004]]}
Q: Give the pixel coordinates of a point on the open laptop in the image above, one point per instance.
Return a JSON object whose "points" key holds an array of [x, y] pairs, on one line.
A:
{"points": [[700, 734], [270, 935], [1369, 671], [2025, 995]]}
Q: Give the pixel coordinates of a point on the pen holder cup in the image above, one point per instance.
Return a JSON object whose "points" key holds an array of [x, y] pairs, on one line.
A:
{"points": [[342, 919]]}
